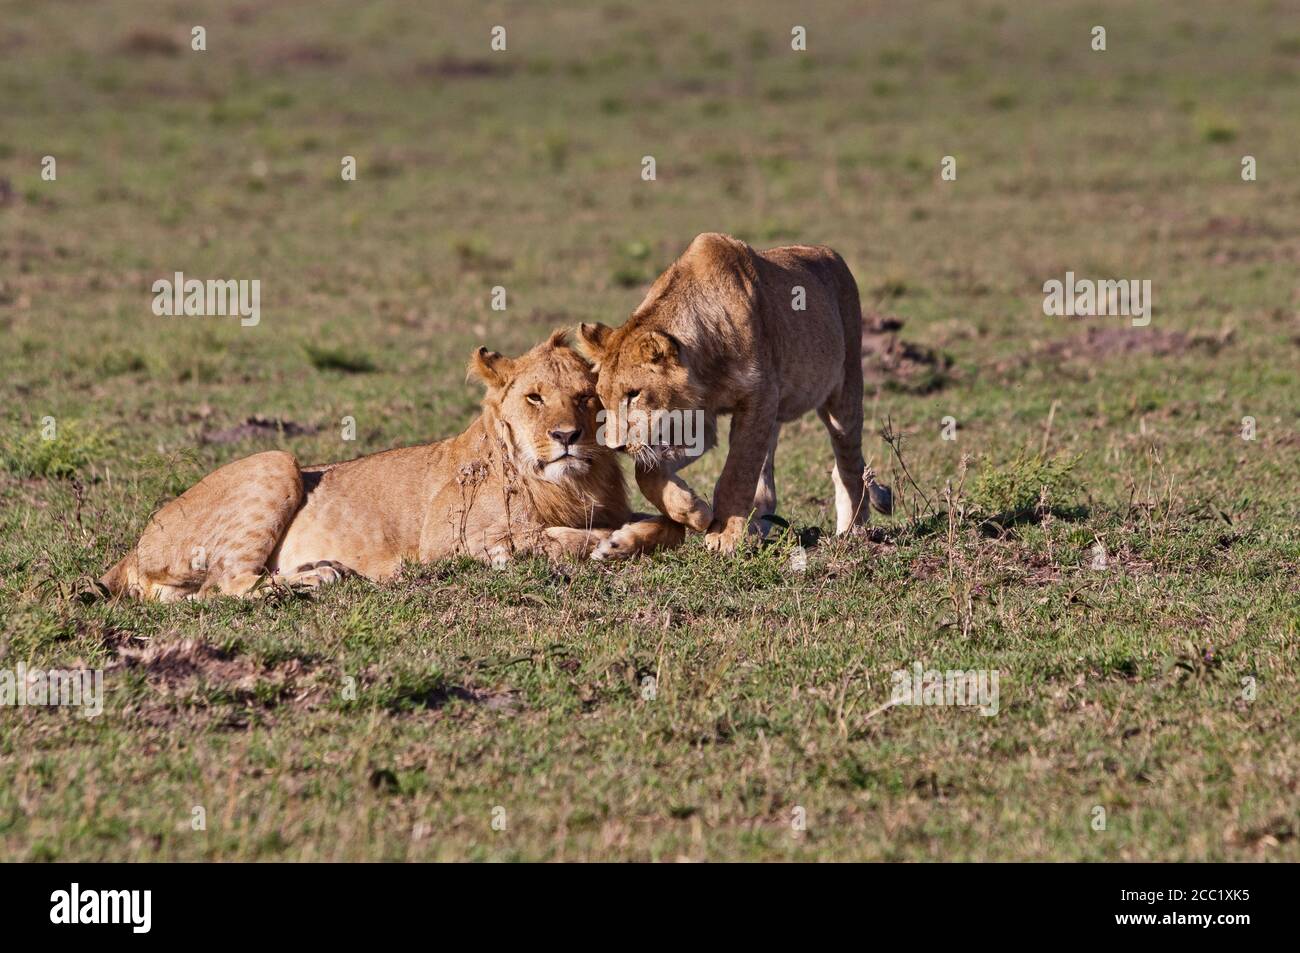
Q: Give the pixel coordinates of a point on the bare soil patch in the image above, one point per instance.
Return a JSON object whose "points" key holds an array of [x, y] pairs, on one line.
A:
{"points": [[457, 67], [150, 43], [257, 427], [896, 364], [1102, 343], [190, 670]]}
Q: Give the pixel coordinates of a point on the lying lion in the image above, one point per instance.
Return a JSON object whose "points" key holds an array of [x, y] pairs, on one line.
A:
{"points": [[762, 336], [526, 477]]}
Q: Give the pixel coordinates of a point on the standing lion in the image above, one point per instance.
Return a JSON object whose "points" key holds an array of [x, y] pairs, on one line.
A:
{"points": [[762, 336]]}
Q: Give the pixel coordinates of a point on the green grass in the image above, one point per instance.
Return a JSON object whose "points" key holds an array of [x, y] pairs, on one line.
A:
{"points": [[685, 706]]}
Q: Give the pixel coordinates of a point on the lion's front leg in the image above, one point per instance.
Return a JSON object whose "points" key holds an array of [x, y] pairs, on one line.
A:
{"points": [[565, 542], [641, 534], [499, 544], [752, 439], [673, 497]]}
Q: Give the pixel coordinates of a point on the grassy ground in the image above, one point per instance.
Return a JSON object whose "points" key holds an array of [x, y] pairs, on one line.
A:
{"points": [[399, 722]]}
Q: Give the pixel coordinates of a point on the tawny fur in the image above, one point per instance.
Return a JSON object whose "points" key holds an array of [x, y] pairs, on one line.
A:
{"points": [[719, 332], [527, 476]]}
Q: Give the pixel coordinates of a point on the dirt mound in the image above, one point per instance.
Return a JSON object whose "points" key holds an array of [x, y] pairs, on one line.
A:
{"points": [[1232, 226], [896, 364], [150, 43], [455, 67], [195, 670], [256, 427], [189, 676], [1100, 343], [310, 54]]}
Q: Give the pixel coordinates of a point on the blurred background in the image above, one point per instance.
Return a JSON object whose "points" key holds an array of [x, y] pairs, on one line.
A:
{"points": [[522, 169]]}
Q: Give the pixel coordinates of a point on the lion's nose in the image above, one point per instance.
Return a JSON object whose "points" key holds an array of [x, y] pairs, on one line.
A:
{"points": [[566, 436]]}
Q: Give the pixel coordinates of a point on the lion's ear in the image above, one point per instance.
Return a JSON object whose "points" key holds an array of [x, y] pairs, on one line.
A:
{"points": [[490, 367], [657, 348], [593, 339]]}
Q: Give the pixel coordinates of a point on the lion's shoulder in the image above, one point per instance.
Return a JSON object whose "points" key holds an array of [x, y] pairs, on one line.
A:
{"points": [[709, 248]]}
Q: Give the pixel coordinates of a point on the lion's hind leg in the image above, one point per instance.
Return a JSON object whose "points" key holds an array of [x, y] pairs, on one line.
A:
{"points": [[216, 537], [842, 415]]}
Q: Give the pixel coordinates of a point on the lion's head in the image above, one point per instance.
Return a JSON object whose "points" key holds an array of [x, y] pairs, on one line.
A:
{"points": [[643, 379], [544, 405]]}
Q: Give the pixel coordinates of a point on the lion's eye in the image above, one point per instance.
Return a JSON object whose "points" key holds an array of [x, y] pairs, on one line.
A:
{"points": [[535, 399], [583, 401]]}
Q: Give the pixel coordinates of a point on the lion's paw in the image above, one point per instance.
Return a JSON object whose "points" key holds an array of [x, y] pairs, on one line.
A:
{"points": [[699, 517], [620, 544], [726, 538], [313, 576]]}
